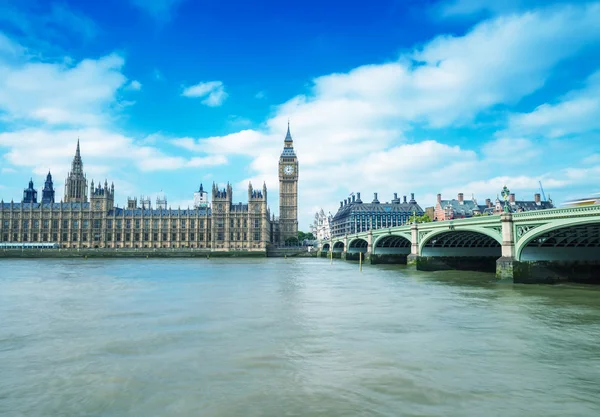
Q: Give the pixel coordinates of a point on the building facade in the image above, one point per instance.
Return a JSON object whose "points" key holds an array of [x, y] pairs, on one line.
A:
{"points": [[354, 216], [460, 208], [79, 222]]}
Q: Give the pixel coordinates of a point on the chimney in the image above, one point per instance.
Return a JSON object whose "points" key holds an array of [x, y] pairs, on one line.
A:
{"points": [[439, 198], [488, 202], [511, 198], [395, 196], [460, 198], [412, 197], [537, 198], [404, 199], [358, 196], [341, 204]]}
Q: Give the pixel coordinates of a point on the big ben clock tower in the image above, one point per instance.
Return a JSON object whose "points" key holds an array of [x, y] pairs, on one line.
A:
{"points": [[288, 190]]}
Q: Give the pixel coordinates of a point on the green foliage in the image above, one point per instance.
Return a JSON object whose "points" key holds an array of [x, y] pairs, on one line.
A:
{"points": [[420, 219], [302, 236], [291, 241]]}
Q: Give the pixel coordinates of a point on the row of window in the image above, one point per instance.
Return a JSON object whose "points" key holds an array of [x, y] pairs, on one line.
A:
{"points": [[97, 224], [127, 237]]}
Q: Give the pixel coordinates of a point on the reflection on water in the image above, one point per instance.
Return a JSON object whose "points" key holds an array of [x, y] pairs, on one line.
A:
{"points": [[297, 337]]}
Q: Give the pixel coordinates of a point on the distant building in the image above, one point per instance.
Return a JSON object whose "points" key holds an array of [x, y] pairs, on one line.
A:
{"points": [[145, 202], [354, 216], [321, 226], [161, 202], [519, 206], [459, 208], [95, 222], [201, 198], [48, 191], [30, 193], [430, 212]]}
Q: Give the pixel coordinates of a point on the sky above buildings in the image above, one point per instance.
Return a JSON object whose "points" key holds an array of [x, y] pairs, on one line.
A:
{"points": [[387, 96]]}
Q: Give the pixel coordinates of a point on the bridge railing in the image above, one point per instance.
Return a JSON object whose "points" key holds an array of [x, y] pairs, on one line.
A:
{"points": [[557, 211]]}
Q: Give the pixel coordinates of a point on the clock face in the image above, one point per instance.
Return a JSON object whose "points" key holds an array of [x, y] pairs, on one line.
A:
{"points": [[97, 204], [288, 169]]}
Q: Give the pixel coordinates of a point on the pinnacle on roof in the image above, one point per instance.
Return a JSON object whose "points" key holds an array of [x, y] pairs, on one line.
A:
{"points": [[288, 136]]}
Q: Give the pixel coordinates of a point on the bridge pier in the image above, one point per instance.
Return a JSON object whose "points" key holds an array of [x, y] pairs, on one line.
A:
{"points": [[548, 272], [388, 258]]}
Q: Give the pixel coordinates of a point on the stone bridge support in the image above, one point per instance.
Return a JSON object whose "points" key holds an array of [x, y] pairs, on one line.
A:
{"points": [[412, 260], [506, 263]]}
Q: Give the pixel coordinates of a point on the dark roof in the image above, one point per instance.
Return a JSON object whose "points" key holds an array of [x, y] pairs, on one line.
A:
{"points": [[370, 208], [529, 206], [288, 152], [54, 206], [466, 208], [239, 207]]}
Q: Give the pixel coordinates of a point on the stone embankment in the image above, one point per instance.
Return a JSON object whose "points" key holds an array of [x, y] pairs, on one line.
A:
{"points": [[127, 253]]}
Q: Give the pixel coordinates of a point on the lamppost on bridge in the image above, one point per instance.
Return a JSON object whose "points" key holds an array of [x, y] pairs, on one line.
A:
{"points": [[506, 194]]}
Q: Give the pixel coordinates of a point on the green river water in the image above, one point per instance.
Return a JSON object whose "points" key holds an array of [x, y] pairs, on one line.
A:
{"points": [[290, 337]]}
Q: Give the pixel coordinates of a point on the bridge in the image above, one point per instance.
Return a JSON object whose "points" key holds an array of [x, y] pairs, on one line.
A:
{"points": [[544, 246]]}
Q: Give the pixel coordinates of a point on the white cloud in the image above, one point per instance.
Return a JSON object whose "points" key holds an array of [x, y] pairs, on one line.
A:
{"points": [[509, 151], [134, 85], [60, 93], [213, 92], [592, 159], [104, 150], [577, 112]]}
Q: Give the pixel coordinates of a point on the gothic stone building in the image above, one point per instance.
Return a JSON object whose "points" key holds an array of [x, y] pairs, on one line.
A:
{"points": [[95, 222]]}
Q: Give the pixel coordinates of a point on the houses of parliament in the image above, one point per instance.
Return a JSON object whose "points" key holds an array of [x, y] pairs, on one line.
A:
{"points": [[88, 217]]}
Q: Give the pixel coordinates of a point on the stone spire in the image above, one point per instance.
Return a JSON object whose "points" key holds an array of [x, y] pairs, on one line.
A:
{"points": [[288, 136], [76, 183]]}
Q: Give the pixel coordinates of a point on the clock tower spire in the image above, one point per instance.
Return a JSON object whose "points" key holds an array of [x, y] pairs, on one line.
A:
{"points": [[288, 190]]}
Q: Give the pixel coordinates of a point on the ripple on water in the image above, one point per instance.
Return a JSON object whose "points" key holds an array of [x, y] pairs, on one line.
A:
{"points": [[295, 337]]}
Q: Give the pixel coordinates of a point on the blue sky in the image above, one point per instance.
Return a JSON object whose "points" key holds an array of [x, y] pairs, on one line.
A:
{"points": [[390, 96]]}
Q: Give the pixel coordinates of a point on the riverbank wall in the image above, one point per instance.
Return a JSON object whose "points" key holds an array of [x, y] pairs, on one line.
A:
{"points": [[128, 253], [155, 253]]}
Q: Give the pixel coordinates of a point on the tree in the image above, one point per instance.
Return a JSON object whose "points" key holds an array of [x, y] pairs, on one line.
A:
{"points": [[420, 219], [291, 241], [302, 236]]}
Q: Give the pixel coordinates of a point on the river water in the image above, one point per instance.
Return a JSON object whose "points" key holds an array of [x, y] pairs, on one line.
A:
{"points": [[295, 337]]}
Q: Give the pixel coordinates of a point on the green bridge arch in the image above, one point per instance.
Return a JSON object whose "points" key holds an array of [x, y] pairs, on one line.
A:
{"points": [[457, 229], [536, 231]]}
